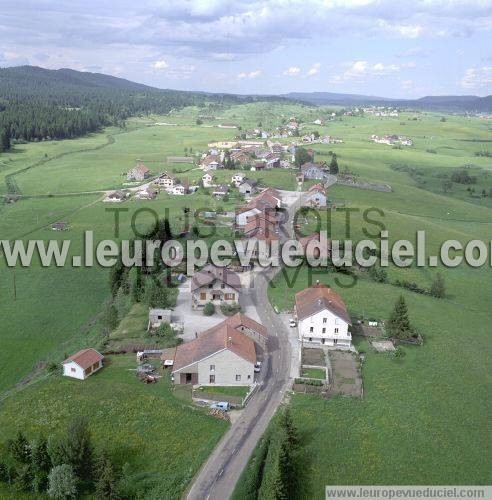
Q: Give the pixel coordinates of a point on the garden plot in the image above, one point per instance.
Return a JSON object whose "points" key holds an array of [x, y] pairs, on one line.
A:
{"points": [[346, 378]]}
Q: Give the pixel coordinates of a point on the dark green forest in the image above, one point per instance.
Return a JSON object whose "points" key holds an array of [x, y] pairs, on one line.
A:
{"points": [[38, 104]]}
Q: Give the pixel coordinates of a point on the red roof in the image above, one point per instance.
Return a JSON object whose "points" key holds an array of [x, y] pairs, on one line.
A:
{"points": [[218, 339], [318, 298], [85, 358]]}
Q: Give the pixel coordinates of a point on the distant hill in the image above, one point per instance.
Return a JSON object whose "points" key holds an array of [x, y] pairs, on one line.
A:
{"points": [[38, 103], [444, 103], [333, 98]]}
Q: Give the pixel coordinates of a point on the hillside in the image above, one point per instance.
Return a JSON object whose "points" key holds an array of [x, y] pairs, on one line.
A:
{"points": [[38, 103]]}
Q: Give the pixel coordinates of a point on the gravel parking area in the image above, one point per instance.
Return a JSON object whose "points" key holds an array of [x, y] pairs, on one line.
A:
{"points": [[194, 321]]}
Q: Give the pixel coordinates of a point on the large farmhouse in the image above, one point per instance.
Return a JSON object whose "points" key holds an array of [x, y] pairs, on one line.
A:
{"points": [[138, 173], [215, 284], [82, 364], [221, 356], [313, 171], [322, 318]]}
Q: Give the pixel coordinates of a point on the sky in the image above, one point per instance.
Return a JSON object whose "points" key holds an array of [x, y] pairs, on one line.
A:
{"points": [[403, 49]]}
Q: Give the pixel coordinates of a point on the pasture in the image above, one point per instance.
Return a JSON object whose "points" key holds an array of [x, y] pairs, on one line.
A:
{"points": [[416, 412]]}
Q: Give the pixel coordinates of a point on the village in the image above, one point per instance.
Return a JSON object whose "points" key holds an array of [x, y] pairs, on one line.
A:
{"points": [[222, 342]]}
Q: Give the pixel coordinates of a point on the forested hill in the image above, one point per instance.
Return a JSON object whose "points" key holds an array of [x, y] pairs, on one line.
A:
{"points": [[37, 103]]}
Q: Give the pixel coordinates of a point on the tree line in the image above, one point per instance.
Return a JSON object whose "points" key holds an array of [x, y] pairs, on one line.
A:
{"points": [[38, 104], [61, 466]]}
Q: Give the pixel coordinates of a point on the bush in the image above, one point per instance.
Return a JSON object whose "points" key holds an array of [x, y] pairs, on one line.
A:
{"points": [[62, 482], [209, 309], [461, 176], [230, 310]]}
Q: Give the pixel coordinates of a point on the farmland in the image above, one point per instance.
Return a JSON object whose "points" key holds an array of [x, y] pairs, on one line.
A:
{"points": [[416, 411]]}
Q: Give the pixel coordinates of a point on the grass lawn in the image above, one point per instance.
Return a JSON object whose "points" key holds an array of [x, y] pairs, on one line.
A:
{"points": [[314, 373], [226, 390], [144, 425]]}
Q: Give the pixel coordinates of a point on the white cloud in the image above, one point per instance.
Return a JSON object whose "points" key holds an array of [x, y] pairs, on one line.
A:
{"points": [[314, 70], [292, 71], [359, 71], [403, 30], [476, 78], [251, 74], [160, 64]]}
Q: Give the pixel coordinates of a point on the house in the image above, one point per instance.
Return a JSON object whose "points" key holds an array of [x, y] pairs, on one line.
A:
{"points": [[316, 196], [237, 179], [179, 189], [60, 226], [211, 162], [322, 318], [83, 364], [251, 328], [138, 173], [215, 284], [265, 223], [166, 180], [207, 180], [313, 171], [222, 356], [273, 195], [220, 191], [248, 187], [240, 157], [258, 166], [116, 197], [147, 194], [254, 206], [157, 317]]}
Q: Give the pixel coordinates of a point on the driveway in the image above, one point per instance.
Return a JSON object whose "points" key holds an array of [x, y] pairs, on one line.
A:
{"points": [[194, 321]]}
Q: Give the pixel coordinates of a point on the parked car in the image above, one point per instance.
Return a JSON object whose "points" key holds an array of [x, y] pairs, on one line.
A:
{"points": [[292, 323], [257, 367], [223, 405]]}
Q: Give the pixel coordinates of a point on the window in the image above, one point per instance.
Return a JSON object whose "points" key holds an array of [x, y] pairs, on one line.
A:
{"points": [[212, 379], [229, 296], [238, 378], [211, 285], [212, 368], [249, 377], [325, 320], [222, 286], [159, 316], [336, 330], [203, 296], [311, 329], [73, 370], [324, 330], [310, 339]]}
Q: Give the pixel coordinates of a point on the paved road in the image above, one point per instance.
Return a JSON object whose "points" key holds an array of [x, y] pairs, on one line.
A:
{"points": [[219, 475]]}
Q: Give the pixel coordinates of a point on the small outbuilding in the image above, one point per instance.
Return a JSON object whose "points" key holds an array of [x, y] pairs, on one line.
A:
{"points": [[83, 364], [158, 316]]}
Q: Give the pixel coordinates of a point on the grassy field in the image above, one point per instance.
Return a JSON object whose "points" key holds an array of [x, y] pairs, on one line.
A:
{"points": [[438, 390], [314, 373], [227, 391], [416, 411], [143, 425]]}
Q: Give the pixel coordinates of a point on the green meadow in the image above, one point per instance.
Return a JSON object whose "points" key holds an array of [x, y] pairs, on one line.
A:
{"points": [[424, 418]]}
